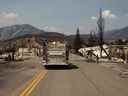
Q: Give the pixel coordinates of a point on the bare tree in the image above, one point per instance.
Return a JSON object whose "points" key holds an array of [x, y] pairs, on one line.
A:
{"points": [[92, 40]]}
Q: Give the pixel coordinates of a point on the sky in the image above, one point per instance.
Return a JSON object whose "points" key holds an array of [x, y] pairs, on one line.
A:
{"points": [[64, 15]]}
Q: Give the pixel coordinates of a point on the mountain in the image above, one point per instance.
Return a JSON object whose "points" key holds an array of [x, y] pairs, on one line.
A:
{"points": [[84, 37], [26, 30], [70, 38], [117, 34], [18, 31], [54, 35], [108, 35]]}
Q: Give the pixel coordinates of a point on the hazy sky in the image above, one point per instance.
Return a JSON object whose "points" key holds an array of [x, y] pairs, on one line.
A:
{"points": [[64, 15]]}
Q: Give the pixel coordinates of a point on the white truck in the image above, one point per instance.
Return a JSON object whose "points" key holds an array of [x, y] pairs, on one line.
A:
{"points": [[55, 53]]}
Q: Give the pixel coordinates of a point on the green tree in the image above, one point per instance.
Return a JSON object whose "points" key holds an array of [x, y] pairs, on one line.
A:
{"points": [[77, 41]]}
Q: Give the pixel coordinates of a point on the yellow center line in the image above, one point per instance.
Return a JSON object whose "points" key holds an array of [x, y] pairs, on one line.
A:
{"points": [[34, 82], [30, 84]]}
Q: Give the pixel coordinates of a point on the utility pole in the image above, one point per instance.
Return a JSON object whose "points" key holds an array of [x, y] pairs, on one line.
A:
{"points": [[101, 27]]}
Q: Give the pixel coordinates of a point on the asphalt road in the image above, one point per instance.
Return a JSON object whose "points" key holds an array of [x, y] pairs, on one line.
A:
{"points": [[84, 79], [78, 79], [65, 83], [15, 75]]}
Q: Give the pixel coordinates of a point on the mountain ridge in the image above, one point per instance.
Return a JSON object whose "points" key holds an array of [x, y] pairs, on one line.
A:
{"points": [[117, 34], [21, 30]]}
